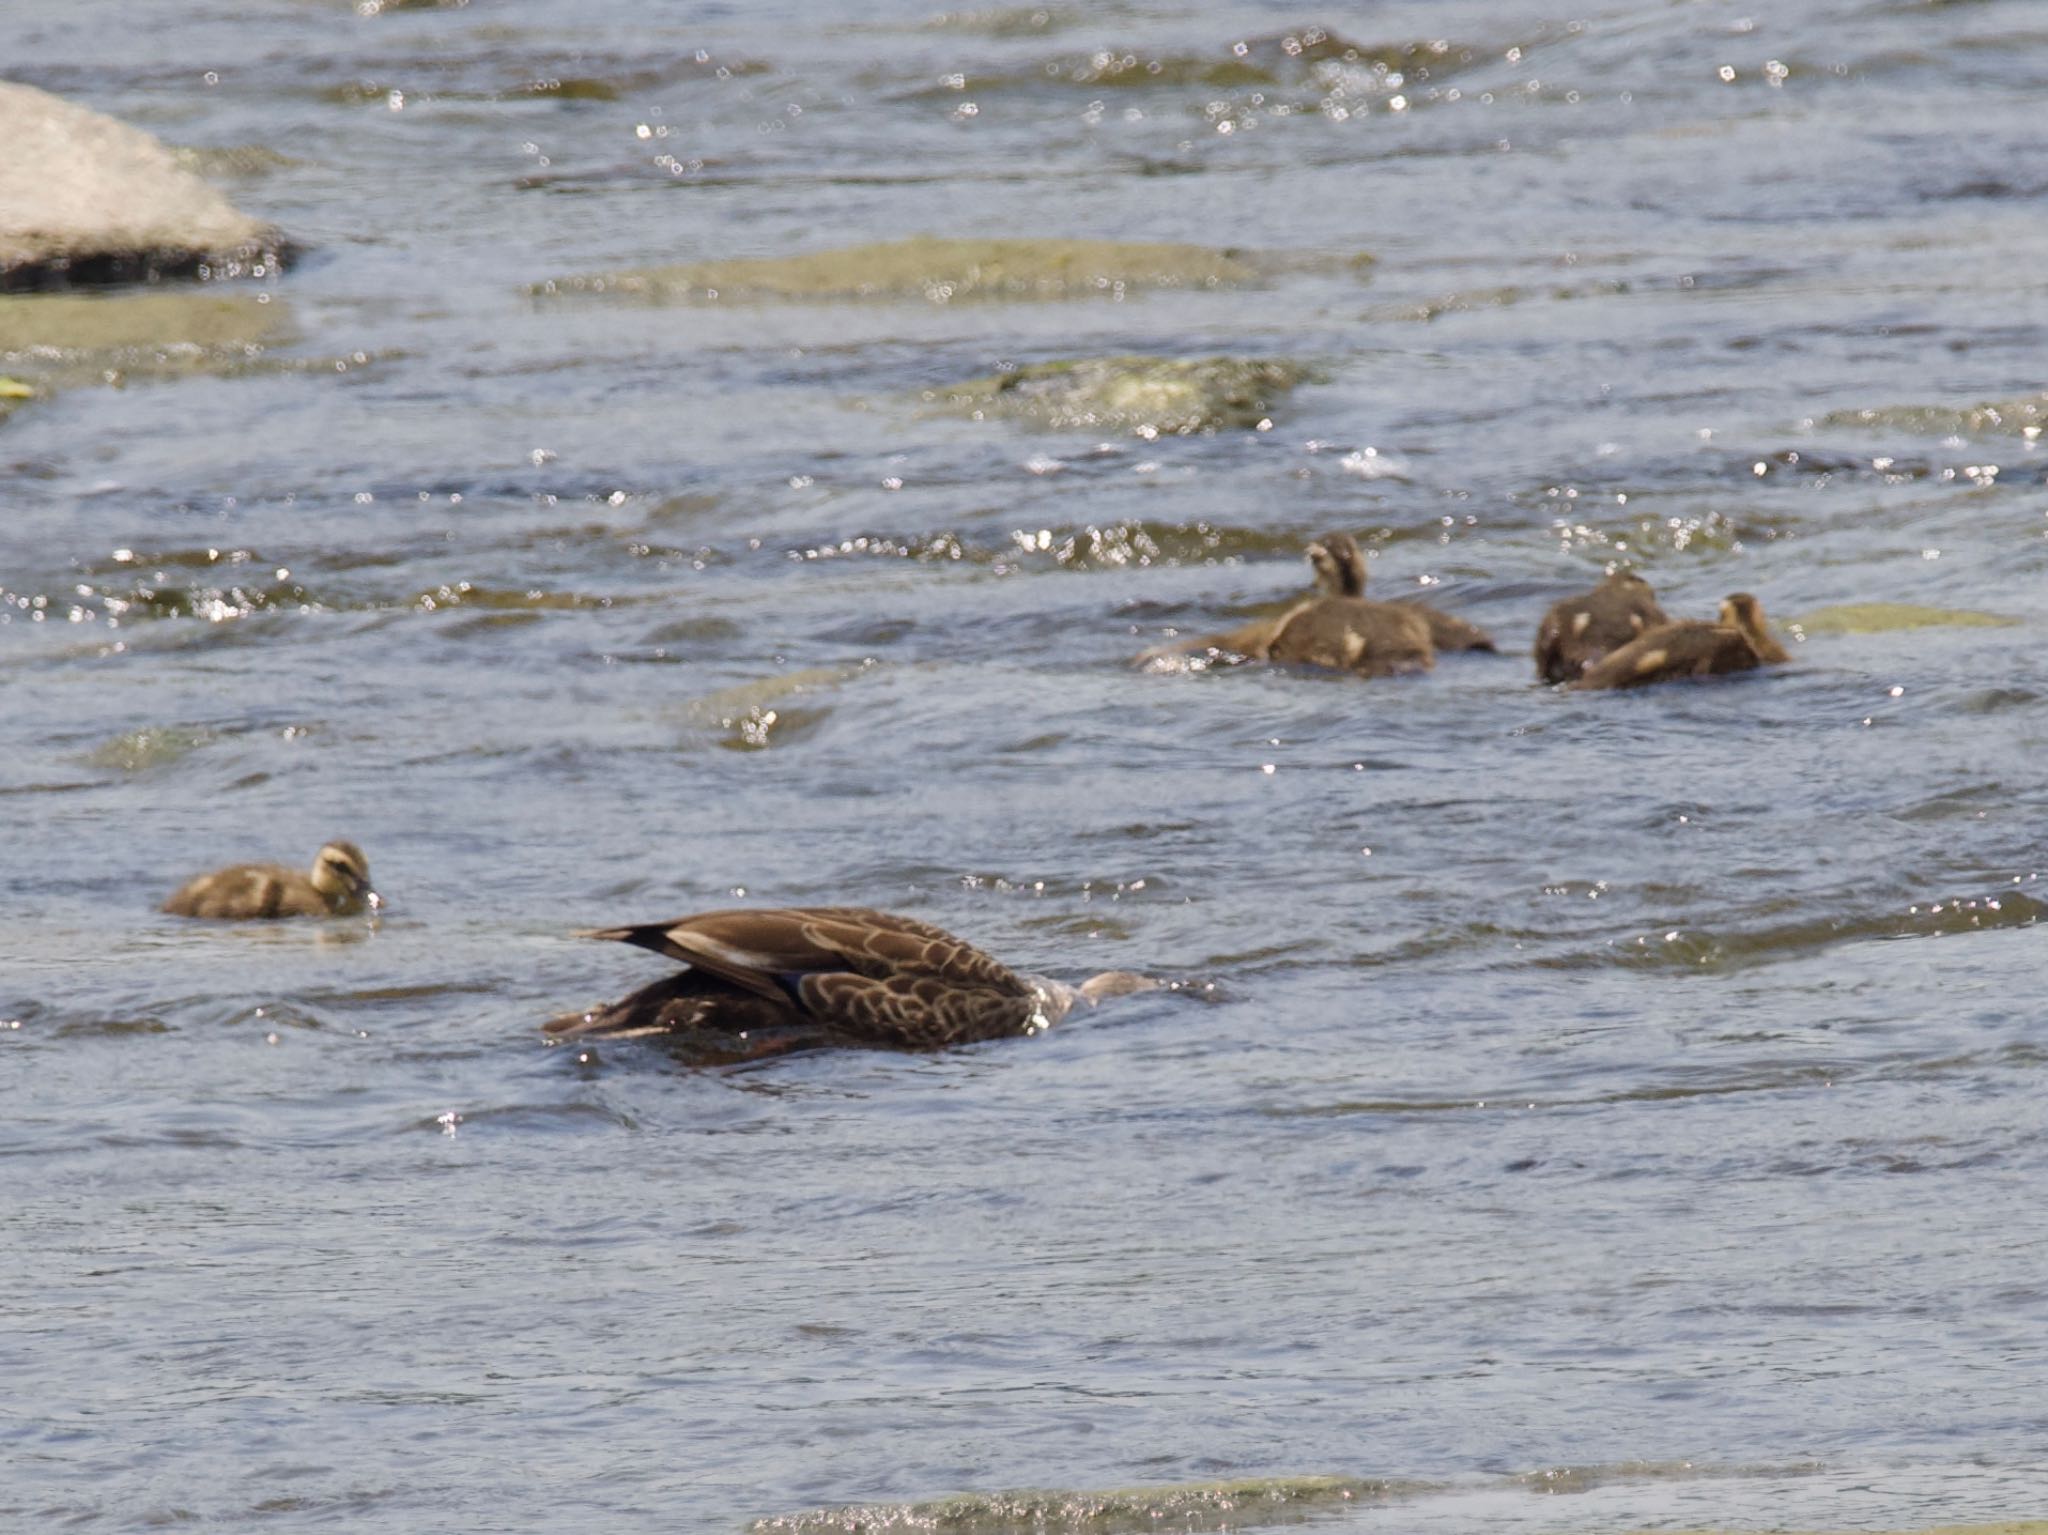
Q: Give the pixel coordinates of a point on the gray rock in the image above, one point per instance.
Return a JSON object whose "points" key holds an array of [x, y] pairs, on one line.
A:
{"points": [[86, 199]]}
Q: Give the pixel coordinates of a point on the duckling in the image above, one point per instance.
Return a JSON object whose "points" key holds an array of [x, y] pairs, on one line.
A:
{"points": [[1349, 634], [1739, 642], [1340, 572], [338, 886], [770, 980], [1333, 628], [1577, 631]]}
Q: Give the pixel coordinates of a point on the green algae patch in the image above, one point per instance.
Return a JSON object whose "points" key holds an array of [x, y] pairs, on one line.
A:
{"points": [[61, 324], [140, 751], [67, 340], [947, 271], [1480, 300], [522, 600], [1151, 396], [1010, 21], [2025, 417], [1885, 617], [1297, 68], [233, 161], [1249, 1503], [753, 716], [54, 341]]}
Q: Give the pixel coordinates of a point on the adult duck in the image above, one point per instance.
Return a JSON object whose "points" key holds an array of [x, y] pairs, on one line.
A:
{"points": [[767, 980]]}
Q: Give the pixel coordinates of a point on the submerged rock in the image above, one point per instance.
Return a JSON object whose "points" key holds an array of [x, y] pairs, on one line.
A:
{"points": [[50, 342], [86, 199], [2023, 417], [1151, 396], [1252, 1502], [1884, 617], [104, 329], [943, 271], [752, 716]]}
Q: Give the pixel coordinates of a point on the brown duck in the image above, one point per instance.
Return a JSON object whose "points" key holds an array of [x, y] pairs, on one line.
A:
{"points": [[1739, 642], [338, 886], [771, 980], [1340, 572], [1332, 628], [1578, 631]]}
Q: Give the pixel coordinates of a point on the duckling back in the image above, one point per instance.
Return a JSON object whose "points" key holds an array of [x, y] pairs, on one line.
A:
{"points": [[1579, 631], [1350, 634], [248, 892]]}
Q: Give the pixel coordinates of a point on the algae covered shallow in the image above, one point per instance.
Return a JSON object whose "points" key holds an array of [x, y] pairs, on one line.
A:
{"points": [[1582, 1083], [191, 319], [1887, 617], [2023, 416], [946, 271], [1251, 1503], [1152, 396]]}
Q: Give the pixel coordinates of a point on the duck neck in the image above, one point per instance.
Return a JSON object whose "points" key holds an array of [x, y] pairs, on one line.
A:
{"points": [[1055, 999]]}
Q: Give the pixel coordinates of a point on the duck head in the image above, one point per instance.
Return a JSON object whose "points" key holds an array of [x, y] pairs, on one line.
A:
{"points": [[342, 876], [1338, 564], [1739, 610]]}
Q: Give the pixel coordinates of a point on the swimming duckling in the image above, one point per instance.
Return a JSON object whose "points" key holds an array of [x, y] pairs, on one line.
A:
{"points": [[1333, 628], [1577, 631], [1340, 572], [338, 886], [1349, 634], [1738, 642], [769, 980]]}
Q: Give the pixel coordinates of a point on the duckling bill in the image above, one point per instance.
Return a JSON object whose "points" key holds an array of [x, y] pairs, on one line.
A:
{"points": [[1739, 641], [1579, 631], [771, 980], [338, 885]]}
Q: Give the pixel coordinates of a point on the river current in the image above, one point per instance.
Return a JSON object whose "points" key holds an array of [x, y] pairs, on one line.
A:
{"points": [[1580, 1110]]}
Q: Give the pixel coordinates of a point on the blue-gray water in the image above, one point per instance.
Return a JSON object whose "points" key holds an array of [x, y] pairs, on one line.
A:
{"points": [[1663, 1091]]}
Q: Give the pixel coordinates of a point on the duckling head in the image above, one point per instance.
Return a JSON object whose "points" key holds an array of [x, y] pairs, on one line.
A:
{"points": [[1739, 610], [342, 876], [1338, 564]]}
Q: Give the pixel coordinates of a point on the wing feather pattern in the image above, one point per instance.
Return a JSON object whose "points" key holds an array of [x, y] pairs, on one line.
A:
{"points": [[872, 976]]}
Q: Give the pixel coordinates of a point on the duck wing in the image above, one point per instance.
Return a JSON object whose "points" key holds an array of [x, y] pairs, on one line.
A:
{"points": [[718, 1020], [870, 974]]}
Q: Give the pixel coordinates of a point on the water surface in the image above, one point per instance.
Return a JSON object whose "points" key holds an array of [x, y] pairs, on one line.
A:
{"points": [[1585, 1111]]}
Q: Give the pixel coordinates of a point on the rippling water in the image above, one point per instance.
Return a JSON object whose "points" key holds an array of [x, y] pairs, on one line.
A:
{"points": [[1648, 1086]]}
